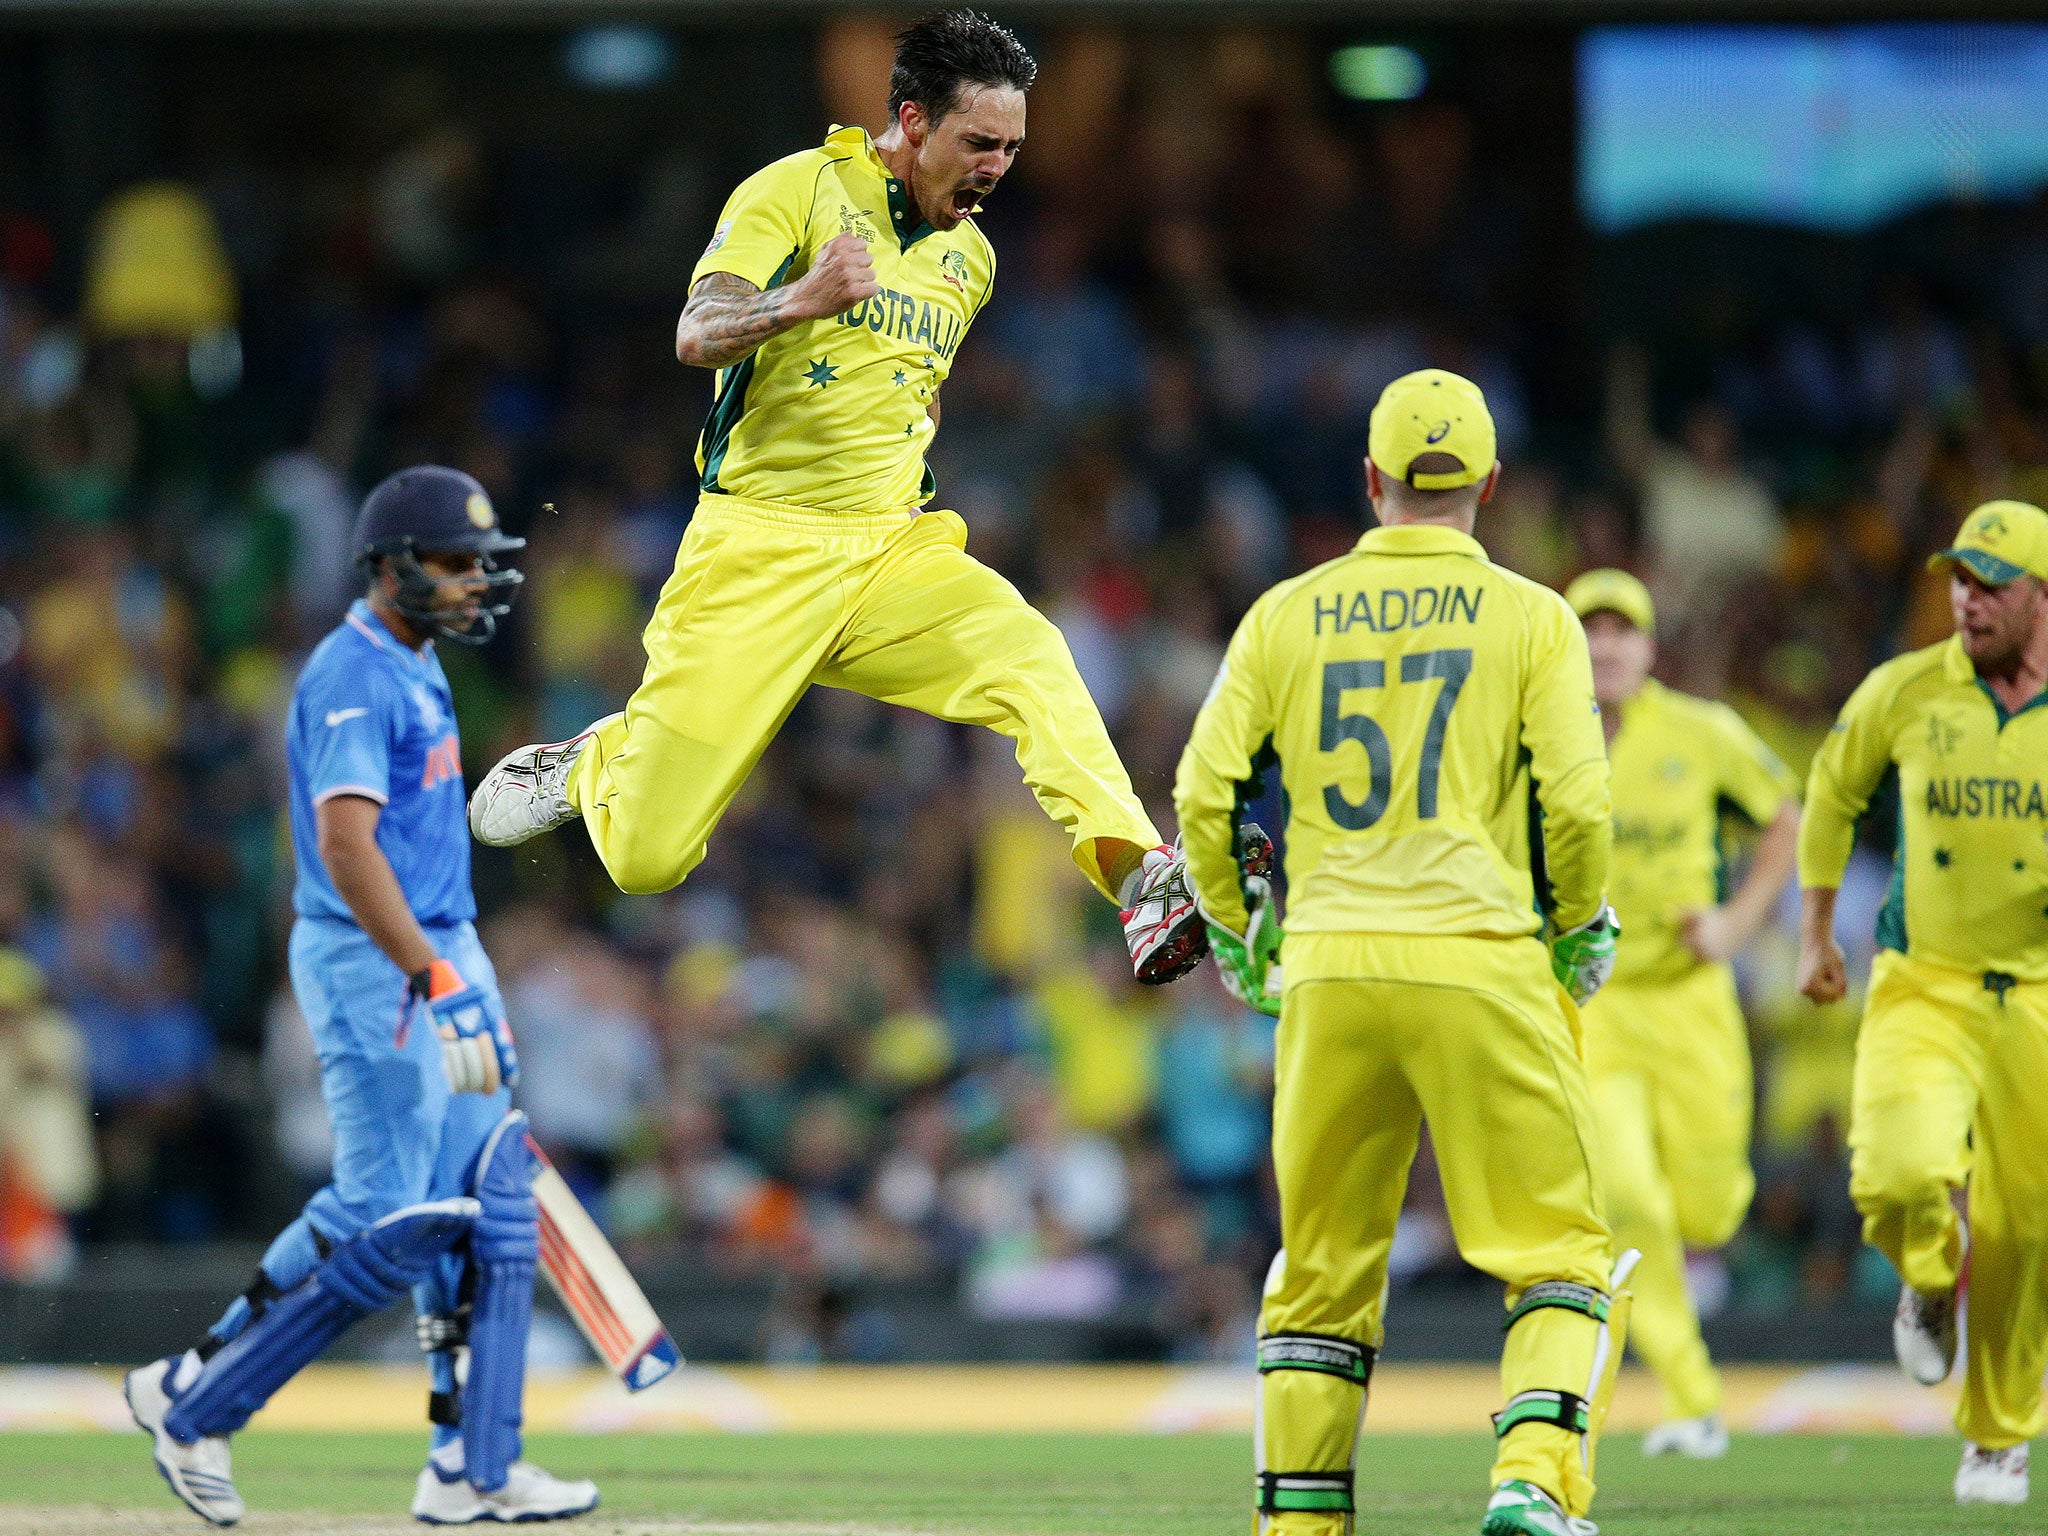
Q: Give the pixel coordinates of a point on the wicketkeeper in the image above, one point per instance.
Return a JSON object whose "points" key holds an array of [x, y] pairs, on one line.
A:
{"points": [[1432, 719], [432, 1169]]}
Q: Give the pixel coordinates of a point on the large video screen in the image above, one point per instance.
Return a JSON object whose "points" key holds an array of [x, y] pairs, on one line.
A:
{"points": [[1829, 127]]}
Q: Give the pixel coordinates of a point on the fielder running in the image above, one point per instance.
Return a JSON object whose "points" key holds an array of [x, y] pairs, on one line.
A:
{"points": [[431, 1164], [1425, 709], [1951, 1087], [1667, 1048], [832, 299]]}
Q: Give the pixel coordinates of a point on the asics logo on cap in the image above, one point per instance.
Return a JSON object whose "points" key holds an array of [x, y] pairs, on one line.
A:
{"points": [[1438, 432]]}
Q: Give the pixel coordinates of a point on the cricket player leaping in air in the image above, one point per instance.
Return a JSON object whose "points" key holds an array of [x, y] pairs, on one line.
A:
{"points": [[432, 1168], [832, 298], [1430, 714]]}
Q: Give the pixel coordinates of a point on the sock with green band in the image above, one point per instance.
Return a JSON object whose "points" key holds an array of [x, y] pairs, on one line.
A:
{"points": [[1546, 1370], [1311, 1396]]}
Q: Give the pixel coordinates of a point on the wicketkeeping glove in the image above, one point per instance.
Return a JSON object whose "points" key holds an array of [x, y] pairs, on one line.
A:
{"points": [[1582, 958], [476, 1050], [1250, 966]]}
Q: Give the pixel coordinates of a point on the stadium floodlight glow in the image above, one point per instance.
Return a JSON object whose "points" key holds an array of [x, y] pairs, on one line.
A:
{"points": [[1378, 72], [618, 57]]}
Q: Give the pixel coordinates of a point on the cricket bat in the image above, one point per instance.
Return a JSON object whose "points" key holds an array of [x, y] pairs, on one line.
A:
{"points": [[596, 1287]]}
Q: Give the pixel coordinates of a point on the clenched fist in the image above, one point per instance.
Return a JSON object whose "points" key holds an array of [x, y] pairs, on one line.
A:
{"points": [[1823, 970], [842, 276]]}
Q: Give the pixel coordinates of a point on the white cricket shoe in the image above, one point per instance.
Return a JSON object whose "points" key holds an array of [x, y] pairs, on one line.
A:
{"points": [[445, 1498], [199, 1473], [1924, 1335], [1163, 926], [1992, 1477], [1702, 1439], [528, 792]]}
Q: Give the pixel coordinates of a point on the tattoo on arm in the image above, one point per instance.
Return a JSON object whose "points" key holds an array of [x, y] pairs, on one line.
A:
{"points": [[727, 318]]}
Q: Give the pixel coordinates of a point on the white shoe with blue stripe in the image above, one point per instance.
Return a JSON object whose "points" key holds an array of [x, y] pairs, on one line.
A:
{"points": [[444, 1497], [200, 1473]]}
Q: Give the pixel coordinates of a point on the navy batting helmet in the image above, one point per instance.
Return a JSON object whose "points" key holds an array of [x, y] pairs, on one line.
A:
{"points": [[431, 510]]}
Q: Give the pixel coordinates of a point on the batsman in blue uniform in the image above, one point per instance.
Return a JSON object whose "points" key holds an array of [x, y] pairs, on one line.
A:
{"points": [[432, 1168]]}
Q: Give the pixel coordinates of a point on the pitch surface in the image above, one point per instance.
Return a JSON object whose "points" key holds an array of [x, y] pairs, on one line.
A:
{"points": [[994, 1485]]}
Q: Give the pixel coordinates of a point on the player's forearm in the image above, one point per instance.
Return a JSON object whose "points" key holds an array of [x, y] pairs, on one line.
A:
{"points": [[1776, 852], [1213, 872], [1578, 843], [364, 879], [1827, 833], [1816, 915], [1203, 803], [728, 319]]}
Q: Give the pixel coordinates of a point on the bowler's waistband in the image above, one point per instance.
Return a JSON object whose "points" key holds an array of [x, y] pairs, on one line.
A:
{"points": [[788, 514]]}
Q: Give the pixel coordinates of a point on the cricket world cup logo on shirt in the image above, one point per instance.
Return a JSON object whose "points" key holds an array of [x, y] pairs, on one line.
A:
{"points": [[856, 221]]}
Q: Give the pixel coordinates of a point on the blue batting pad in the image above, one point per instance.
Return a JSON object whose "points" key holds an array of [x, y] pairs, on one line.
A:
{"points": [[505, 1246], [364, 1275]]}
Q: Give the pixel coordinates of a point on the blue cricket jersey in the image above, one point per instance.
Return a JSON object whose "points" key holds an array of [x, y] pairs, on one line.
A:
{"points": [[373, 717]]}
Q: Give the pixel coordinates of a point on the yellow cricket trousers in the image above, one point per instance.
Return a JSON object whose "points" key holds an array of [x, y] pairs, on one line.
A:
{"points": [[1952, 1089], [1379, 1033], [767, 599], [1669, 1062]]}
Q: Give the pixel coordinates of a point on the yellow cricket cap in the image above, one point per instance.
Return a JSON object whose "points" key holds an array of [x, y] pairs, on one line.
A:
{"points": [[1612, 591], [2000, 542], [1432, 411]]}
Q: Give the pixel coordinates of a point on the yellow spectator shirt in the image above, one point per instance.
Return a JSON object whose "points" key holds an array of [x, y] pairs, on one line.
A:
{"points": [[1426, 710], [1970, 878], [1680, 765], [833, 413]]}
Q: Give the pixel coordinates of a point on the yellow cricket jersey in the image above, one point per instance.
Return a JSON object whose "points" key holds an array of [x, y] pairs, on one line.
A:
{"points": [[1680, 764], [833, 413], [1970, 878], [1428, 712]]}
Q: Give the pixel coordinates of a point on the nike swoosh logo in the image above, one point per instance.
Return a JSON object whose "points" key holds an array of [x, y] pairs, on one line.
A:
{"points": [[337, 716]]}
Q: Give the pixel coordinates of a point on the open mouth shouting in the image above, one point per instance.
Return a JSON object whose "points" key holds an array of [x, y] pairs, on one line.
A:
{"points": [[968, 198]]}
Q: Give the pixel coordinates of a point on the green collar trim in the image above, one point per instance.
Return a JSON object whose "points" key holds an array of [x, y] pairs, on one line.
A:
{"points": [[899, 213], [1958, 668], [858, 141], [2006, 716]]}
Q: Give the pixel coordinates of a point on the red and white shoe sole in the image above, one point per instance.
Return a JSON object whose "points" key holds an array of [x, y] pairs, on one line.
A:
{"points": [[1185, 938]]}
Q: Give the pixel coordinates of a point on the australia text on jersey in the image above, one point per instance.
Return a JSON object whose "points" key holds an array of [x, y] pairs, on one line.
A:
{"points": [[1984, 797], [909, 318]]}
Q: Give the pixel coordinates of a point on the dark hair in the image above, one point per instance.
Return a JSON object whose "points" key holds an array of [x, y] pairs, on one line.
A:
{"points": [[948, 50]]}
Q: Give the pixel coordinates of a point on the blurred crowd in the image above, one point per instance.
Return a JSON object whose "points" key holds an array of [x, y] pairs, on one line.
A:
{"points": [[885, 1032]]}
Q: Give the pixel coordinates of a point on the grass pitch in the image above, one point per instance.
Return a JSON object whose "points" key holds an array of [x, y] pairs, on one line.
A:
{"points": [[996, 1485]]}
